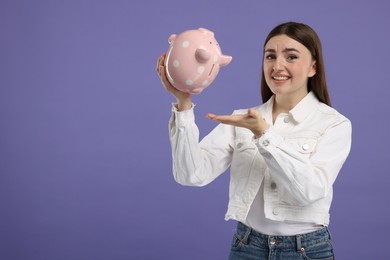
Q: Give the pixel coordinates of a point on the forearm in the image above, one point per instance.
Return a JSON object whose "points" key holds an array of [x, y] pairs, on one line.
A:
{"points": [[197, 163]]}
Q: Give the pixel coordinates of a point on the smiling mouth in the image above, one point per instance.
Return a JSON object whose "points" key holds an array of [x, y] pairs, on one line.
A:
{"points": [[280, 78]]}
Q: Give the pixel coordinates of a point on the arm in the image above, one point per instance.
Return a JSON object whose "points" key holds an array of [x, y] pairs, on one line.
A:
{"points": [[307, 179], [194, 163]]}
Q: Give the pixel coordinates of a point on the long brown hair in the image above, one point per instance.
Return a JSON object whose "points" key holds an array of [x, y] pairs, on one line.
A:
{"points": [[305, 35]]}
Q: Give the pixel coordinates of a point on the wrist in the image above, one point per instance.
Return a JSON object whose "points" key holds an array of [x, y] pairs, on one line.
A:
{"points": [[184, 104], [260, 132]]}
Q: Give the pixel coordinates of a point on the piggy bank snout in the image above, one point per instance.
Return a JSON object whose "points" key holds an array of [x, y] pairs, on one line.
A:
{"points": [[202, 55], [225, 60]]}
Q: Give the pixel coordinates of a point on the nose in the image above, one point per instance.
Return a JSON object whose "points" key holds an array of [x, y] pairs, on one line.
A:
{"points": [[278, 64]]}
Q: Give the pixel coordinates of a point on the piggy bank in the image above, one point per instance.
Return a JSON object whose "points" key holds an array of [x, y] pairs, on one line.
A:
{"points": [[193, 60]]}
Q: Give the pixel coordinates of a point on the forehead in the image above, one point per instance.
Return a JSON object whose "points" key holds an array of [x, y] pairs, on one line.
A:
{"points": [[282, 42]]}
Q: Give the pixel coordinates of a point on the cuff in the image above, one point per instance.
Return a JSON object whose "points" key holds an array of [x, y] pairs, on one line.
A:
{"points": [[267, 140], [183, 116]]}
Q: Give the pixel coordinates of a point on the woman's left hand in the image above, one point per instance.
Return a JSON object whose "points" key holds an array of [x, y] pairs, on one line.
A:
{"points": [[252, 120]]}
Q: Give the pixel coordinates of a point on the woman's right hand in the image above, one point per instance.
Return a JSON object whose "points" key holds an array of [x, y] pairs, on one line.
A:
{"points": [[183, 99]]}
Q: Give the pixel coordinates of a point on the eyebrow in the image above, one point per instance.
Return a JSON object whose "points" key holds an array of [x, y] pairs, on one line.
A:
{"points": [[285, 50]]}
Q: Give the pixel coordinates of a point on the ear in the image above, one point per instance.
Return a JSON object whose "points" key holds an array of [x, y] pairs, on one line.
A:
{"points": [[313, 69], [206, 32]]}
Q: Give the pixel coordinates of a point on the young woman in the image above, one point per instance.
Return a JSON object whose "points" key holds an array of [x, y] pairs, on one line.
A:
{"points": [[284, 155]]}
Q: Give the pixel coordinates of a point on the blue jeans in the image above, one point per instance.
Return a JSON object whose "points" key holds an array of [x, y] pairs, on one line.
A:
{"points": [[248, 244]]}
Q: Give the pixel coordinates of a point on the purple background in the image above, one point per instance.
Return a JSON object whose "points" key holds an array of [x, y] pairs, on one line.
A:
{"points": [[85, 163]]}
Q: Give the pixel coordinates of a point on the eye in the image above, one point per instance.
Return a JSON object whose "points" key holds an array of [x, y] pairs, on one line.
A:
{"points": [[211, 42], [292, 57], [270, 57]]}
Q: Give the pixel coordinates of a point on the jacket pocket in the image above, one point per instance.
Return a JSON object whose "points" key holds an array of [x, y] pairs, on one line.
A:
{"points": [[303, 145]]}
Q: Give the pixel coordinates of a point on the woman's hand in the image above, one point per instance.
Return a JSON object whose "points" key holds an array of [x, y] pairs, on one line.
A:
{"points": [[252, 120], [183, 99]]}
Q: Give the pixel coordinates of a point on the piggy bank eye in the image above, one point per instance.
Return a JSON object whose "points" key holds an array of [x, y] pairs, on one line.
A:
{"points": [[211, 42]]}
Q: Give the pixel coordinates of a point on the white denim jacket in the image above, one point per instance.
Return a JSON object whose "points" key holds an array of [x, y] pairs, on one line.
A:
{"points": [[298, 159]]}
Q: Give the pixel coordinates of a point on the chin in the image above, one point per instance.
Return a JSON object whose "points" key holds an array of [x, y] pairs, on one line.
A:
{"points": [[278, 90]]}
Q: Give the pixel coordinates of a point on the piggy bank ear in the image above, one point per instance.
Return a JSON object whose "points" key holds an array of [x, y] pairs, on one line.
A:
{"points": [[202, 55], [206, 32], [172, 38], [225, 60]]}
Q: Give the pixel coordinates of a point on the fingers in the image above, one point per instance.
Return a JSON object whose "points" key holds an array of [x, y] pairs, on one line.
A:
{"points": [[253, 113], [160, 69], [252, 120], [233, 118], [163, 77], [183, 98], [226, 119], [160, 62], [210, 116]]}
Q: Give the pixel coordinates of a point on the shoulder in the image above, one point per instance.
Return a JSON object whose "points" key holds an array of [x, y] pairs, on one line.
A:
{"points": [[331, 114]]}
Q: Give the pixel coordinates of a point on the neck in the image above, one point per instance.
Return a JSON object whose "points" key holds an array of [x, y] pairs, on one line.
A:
{"points": [[283, 104]]}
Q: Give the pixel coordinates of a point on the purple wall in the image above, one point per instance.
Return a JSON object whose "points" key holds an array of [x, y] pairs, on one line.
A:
{"points": [[85, 164]]}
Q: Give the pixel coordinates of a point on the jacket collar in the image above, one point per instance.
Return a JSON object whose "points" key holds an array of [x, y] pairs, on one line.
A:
{"points": [[303, 109]]}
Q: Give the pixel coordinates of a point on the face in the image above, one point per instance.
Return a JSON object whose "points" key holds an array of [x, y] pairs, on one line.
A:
{"points": [[287, 66]]}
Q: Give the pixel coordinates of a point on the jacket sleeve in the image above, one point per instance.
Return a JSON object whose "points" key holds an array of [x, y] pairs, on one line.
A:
{"points": [[307, 179], [198, 163]]}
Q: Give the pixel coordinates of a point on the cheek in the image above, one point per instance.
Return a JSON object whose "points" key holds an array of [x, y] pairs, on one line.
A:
{"points": [[299, 70], [267, 72], [303, 69], [267, 69]]}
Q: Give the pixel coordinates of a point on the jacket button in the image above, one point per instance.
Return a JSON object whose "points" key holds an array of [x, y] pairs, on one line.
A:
{"points": [[239, 145], [305, 147], [273, 185], [266, 142], [286, 119], [275, 211]]}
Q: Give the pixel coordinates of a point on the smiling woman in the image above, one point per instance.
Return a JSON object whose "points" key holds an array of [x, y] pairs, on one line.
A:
{"points": [[307, 43], [288, 65], [284, 155]]}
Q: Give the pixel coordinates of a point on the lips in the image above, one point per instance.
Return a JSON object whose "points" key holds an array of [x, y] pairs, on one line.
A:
{"points": [[280, 77]]}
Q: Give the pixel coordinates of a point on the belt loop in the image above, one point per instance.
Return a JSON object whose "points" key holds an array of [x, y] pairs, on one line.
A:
{"points": [[246, 235], [327, 229], [298, 240]]}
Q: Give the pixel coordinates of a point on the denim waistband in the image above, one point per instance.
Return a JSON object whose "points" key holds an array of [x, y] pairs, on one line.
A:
{"points": [[298, 241]]}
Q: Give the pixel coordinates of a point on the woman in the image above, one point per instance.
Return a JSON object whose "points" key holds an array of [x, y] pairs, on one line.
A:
{"points": [[284, 155]]}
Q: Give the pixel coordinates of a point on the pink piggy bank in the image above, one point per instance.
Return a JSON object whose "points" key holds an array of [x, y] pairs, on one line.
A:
{"points": [[193, 60]]}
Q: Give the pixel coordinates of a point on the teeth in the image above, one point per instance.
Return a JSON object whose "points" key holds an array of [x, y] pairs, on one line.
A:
{"points": [[281, 78]]}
